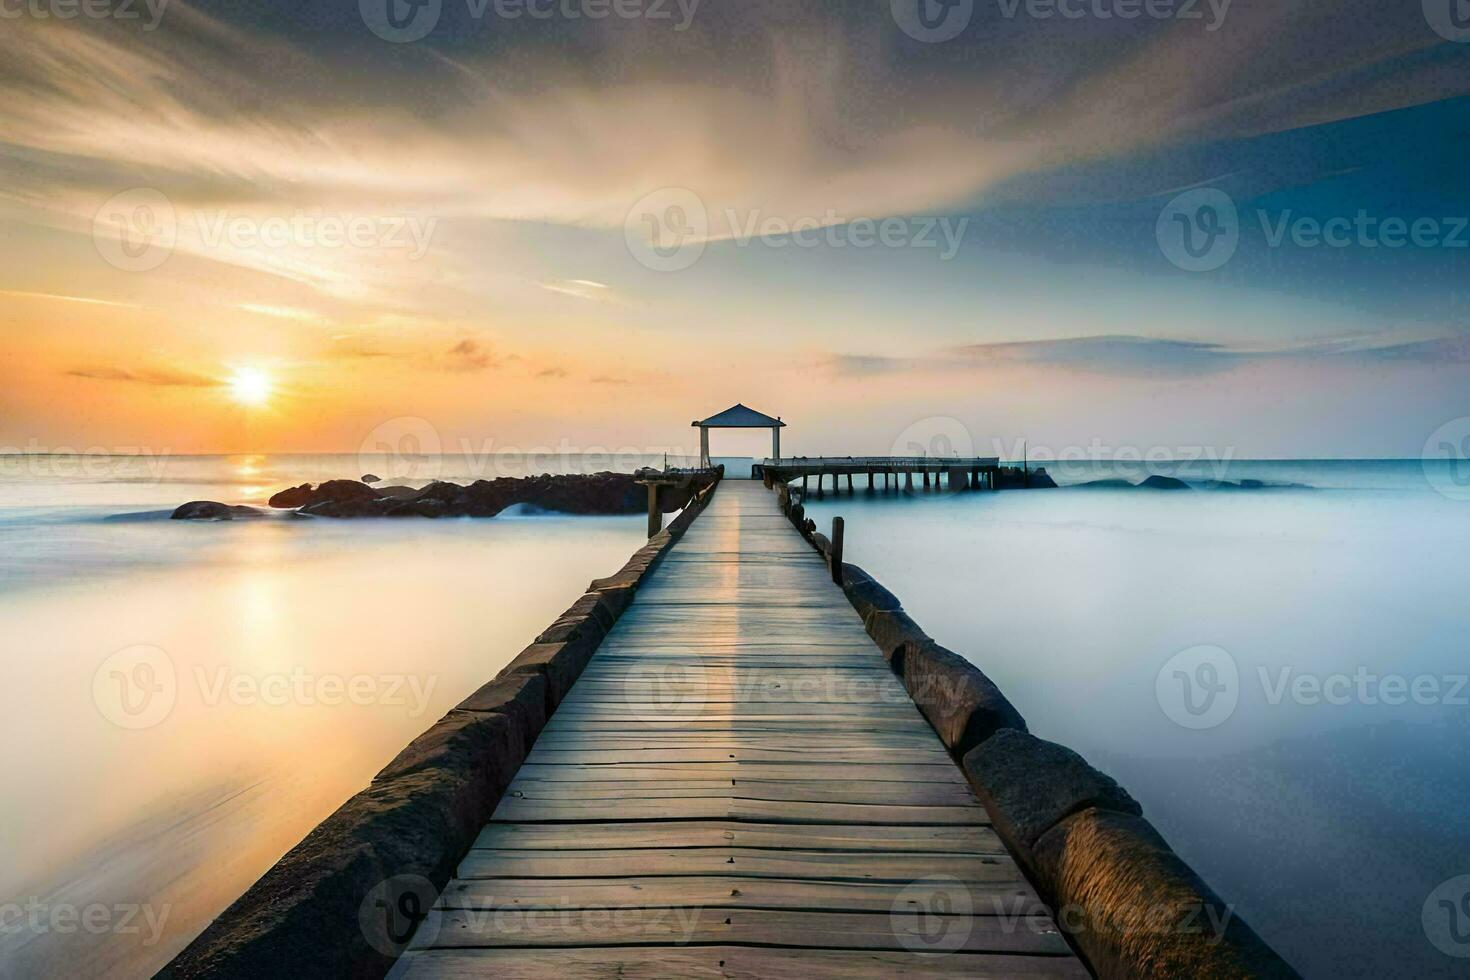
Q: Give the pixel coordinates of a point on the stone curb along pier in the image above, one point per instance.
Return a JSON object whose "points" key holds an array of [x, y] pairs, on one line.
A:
{"points": [[344, 901], [1130, 906]]}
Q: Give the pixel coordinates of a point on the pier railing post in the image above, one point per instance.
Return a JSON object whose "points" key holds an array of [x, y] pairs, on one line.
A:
{"points": [[838, 525], [655, 512]]}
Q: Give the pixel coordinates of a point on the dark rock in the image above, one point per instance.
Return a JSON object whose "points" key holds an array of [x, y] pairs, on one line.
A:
{"points": [[618, 597], [894, 633], [369, 478], [1135, 909], [1030, 785], [412, 508], [522, 696], [561, 664], [400, 493], [209, 510], [964, 706], [1110, 484], [345, 490], [294, 497], [1040, 479], [589, 616], [349, 508], [487, 745], [865, 593], [1157, 482]]}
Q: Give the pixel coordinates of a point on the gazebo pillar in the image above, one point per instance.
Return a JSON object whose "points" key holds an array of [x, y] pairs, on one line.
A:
{"points": [[703, 447], [775, 442]]}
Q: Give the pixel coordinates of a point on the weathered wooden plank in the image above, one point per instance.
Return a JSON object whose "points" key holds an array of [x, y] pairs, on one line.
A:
{"points": [[723, 963], [721, 751], [712, 721], [672, 834], [799, 790], [771, 811], [740, 862], [1008, 897], [943, 772], [561, 928], [819, 742]]}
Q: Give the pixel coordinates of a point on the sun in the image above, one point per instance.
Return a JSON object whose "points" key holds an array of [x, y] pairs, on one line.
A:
{"points": [[250, 386]]}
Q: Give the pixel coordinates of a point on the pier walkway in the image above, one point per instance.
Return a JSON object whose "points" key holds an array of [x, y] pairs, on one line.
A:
{"points": [[738, 786]]}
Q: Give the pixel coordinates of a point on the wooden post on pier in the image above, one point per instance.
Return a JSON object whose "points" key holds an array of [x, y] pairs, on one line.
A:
{"points": [[838, 526], [655, 512]]}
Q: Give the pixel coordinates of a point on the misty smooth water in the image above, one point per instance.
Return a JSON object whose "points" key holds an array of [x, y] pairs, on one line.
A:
{"points": [[1325, 790], [183, 702]]}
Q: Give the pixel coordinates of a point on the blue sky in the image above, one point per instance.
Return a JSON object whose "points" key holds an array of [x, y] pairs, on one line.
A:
{"points": [[879, 228]]}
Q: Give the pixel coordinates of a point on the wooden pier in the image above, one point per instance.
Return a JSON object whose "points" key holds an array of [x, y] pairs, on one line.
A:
{"points": [[969, 473], [738, 786]]}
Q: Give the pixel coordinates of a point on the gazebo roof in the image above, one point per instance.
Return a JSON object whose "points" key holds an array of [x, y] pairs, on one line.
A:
{"points": [[740, 417]]}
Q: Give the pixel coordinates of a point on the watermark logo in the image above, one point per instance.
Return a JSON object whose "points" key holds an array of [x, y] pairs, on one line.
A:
{"points": [[666, 696], [1446, 917], [932, 915], [1449, 18], [666, 231], [1198, 688], [1199, 230], [136, 688], [136, 230], [404, 448], [1446, 459], [933, 21], [401, 21], [395, 911]]}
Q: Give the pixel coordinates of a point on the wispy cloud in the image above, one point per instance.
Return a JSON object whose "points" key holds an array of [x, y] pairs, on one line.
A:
{"points": [[280, 312], [588, 289], [155, 377], [469, 355], [55, 297], [1136, 356]]}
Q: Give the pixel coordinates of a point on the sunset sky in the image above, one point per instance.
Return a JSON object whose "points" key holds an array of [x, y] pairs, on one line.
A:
{"points": [[496, 174]]}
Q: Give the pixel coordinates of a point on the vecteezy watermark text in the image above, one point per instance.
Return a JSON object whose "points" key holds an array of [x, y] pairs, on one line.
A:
{"points": [[1200, 230], [138, 229], [669, 229], [138, 687], [936, 21], [1211, 12], [39, 917], [405, 21], [124, 10], [1201, 687]]}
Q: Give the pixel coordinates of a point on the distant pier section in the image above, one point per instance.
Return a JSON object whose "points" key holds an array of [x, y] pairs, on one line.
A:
{"points": [[901, 472]]}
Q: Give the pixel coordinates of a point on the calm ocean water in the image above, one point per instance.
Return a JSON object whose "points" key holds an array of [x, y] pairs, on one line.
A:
{"points": [[1328, 822], [1278, 674], [285, 661]]}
